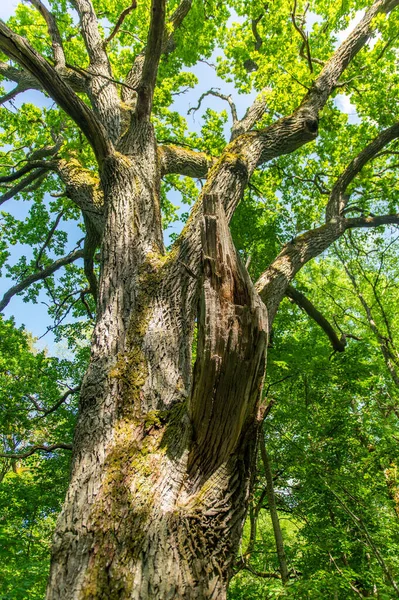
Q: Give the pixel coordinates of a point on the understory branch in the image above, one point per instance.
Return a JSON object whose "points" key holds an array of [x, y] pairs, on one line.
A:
{"points": [[338, 343], [37, 448]]}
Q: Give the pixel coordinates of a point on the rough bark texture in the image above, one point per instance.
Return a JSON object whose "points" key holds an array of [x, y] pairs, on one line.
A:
{"points": [[162, 465]]}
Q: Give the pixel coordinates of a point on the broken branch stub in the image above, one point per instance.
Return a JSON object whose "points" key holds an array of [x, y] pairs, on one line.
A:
{"points": [[232, 341]]}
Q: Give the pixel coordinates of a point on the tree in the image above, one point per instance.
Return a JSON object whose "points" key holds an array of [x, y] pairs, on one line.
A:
{"points": [[163, 452]]}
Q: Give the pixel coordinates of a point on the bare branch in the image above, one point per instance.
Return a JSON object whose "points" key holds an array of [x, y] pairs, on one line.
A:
{"points": [[119, 22], [56, 40], [25, 283], [303, 35], [37, 448], [338, 343], [48, 238], [214, 92]]}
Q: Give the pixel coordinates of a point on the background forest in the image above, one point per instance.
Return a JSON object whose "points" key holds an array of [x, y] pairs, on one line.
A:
{"points": [[329, 462]]}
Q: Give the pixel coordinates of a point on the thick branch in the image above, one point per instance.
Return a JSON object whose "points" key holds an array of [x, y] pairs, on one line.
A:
{"points": [[25, 283], [101, 85], [273, 283], [252, 115], [17, 48], [135, 74], [338, 197], [37, 448], [83, 188], [145, 91], [333, 69], [175, 159], [338, 343], [91, 34]]}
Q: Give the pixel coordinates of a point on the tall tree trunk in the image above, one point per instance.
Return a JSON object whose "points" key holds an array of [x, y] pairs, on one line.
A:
{"points": [[163, 458]]}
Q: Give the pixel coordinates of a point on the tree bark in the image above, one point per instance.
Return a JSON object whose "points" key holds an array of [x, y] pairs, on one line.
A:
{"points": [[163, 459]]}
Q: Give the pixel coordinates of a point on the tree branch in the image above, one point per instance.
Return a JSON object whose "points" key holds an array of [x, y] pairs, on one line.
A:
{"points": [[23, 184], [252, 115], [175, 159], [273, 283], [303, 35], [278, 536], [29, 82], [135, 74], [338, 343], [37, 449], [56, 40], [119, 22], [61, 262], [336, 65], [19, 89], [145, 90], [48, 238], [389, 359], [214, 92], [61, 401]]}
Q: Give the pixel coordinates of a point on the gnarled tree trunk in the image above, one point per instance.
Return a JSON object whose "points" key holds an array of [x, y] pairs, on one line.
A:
{"points": [[163, 459]]}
